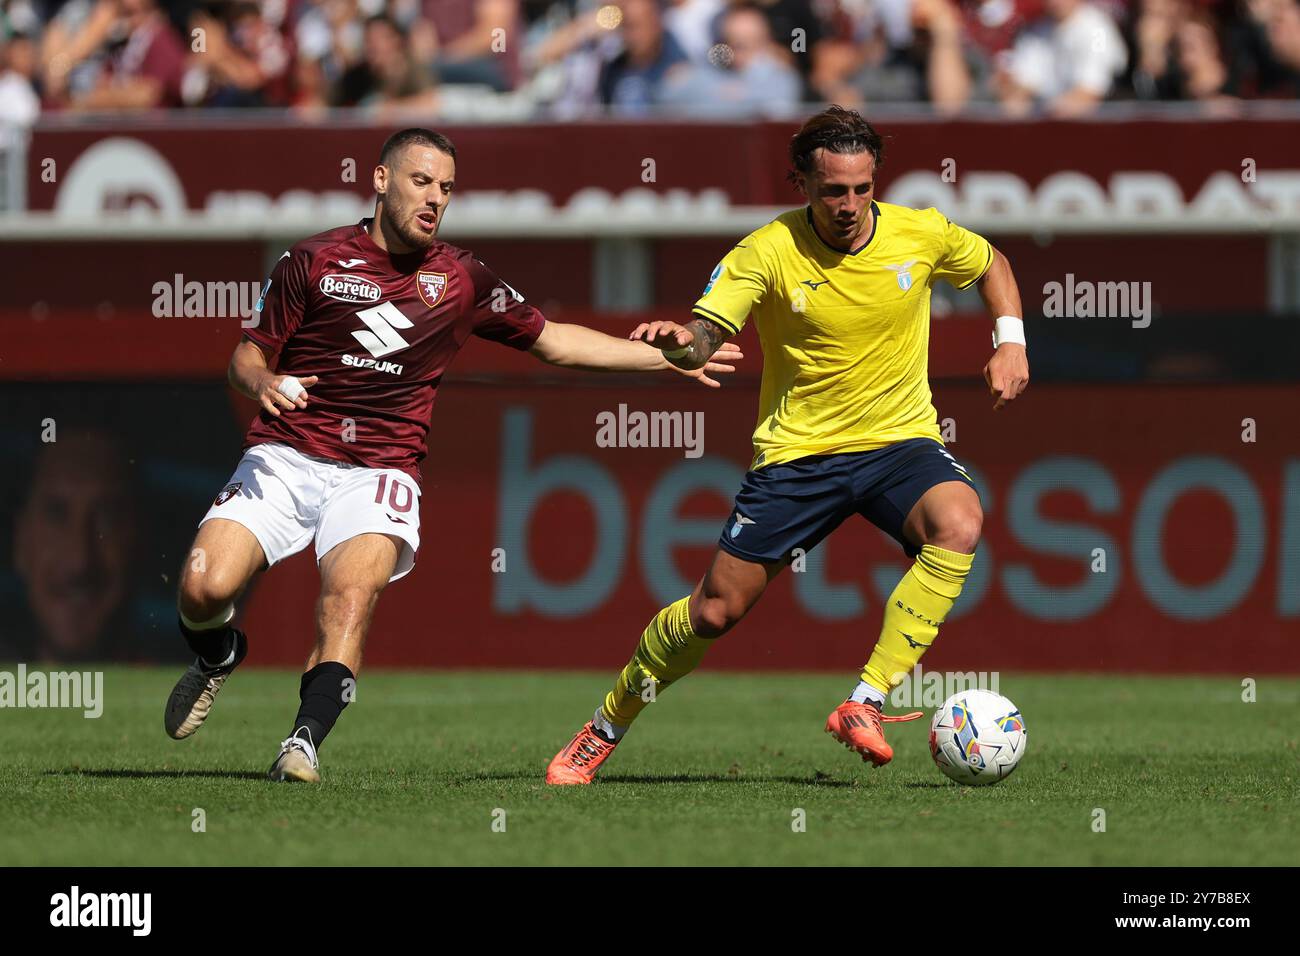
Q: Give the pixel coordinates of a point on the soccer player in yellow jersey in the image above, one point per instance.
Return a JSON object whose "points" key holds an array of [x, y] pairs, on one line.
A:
{"points": [[840, 292]]}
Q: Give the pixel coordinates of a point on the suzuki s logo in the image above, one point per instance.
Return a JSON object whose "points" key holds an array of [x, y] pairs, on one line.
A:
{"points": [[380, 336], [350, 288]]}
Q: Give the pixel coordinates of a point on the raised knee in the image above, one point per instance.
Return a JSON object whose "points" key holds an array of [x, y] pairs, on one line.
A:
{"points": [[205, 594], [960, 530]]}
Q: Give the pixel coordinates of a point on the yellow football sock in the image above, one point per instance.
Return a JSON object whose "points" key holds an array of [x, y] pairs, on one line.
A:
{"points": [[913, 614], [668, 651]]}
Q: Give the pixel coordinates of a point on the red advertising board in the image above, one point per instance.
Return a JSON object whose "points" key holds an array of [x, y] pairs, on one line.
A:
{"points": [[1128, 528], [218, 167], [1221, 174]]}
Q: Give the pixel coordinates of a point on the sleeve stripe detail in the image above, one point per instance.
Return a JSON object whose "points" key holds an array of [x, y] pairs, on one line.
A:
{"points": [[982, 271], [714, 317]]}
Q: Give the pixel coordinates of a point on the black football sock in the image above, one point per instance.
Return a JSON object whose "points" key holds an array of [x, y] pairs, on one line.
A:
{"points": [[214, 645], [325, 690]]}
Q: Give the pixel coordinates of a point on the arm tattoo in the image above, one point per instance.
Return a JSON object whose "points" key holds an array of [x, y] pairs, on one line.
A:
{"points": [[706, 336]]}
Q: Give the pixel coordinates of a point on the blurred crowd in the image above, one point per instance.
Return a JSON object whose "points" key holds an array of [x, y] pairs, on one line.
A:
{"points": [[574, 58]]}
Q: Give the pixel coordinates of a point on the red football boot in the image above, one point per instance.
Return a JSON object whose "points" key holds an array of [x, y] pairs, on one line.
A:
{"points": [[578, 762], [858, 727]]}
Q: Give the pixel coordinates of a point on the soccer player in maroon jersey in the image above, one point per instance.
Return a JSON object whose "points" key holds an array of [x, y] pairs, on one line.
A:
{"points": [[365, 320]]}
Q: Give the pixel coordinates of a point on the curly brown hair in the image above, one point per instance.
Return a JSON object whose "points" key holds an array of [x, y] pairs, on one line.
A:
{"points": [[837, 130]]}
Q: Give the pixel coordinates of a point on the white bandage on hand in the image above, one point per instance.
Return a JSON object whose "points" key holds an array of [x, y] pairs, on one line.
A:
{"points": [[290, 388], [1008, 328]]}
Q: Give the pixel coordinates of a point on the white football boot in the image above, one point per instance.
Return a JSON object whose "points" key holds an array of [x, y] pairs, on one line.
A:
{"points": [[192, 697], [296, 762]]}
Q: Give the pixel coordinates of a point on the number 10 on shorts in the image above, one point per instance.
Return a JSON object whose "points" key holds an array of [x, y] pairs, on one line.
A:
{"points": [[400, 495]]}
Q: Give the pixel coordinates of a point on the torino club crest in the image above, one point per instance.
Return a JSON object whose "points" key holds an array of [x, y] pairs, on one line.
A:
{"points": [[432, 285], [227, 493]]}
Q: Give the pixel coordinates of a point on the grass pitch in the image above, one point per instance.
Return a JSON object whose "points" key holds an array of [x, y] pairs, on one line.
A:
{"points": [[422, 765]]}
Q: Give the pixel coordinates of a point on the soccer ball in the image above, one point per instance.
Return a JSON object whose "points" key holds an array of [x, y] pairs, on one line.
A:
{"points": [[977, 737]]}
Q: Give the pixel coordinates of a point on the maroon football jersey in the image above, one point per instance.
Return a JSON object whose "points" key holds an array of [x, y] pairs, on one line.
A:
{"points": [[379, 330]]}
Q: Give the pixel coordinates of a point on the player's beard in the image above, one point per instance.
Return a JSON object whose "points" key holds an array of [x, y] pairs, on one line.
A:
{"points": [[402, 223]]}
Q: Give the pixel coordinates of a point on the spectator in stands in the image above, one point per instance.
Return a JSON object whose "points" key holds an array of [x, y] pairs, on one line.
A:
{"points": [[19, 104], [691, 22], [246, 60], [989, 30], [143, 72], [389, 81], [1178, 54], [329, 37], [991, 26], [1203, 73], [1067, 62], [20, 30], [74, 48], [907, 51], [1062, 55], [1284, 35], [476, 41], [1154, 72], [748, 74], [797, 26], [948, 77], [1264, 50], [630, 83], [806, 37], [569, 59]]}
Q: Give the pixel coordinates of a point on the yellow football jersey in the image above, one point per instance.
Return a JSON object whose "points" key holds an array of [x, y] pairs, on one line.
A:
{"points": [[845, 336]]}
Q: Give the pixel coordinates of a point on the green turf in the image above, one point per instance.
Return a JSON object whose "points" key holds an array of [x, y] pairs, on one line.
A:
{"points": [[713, 774]]}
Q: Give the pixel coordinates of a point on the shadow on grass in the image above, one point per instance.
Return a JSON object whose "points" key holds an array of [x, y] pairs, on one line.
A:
{"points": [[158, 774], [623, 778]]}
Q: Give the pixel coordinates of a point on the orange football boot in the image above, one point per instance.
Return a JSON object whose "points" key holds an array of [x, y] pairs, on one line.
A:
{"points": [[578, 762], [858, 727]]}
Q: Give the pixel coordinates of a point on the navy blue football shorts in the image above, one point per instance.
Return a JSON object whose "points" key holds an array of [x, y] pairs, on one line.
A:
{"points": [[798, 503]]}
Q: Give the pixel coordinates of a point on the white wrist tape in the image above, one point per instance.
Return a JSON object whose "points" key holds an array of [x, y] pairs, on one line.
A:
{"points": [[290, 388], [675, 353], [1008, 328]]}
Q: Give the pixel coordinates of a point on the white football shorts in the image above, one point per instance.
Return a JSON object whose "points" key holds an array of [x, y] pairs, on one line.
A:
{"points": [[287, 499]]}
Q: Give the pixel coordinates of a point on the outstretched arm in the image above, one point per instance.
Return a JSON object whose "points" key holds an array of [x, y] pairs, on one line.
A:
{"points": [[1007, 372], [576, 346], [688, 346]]}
